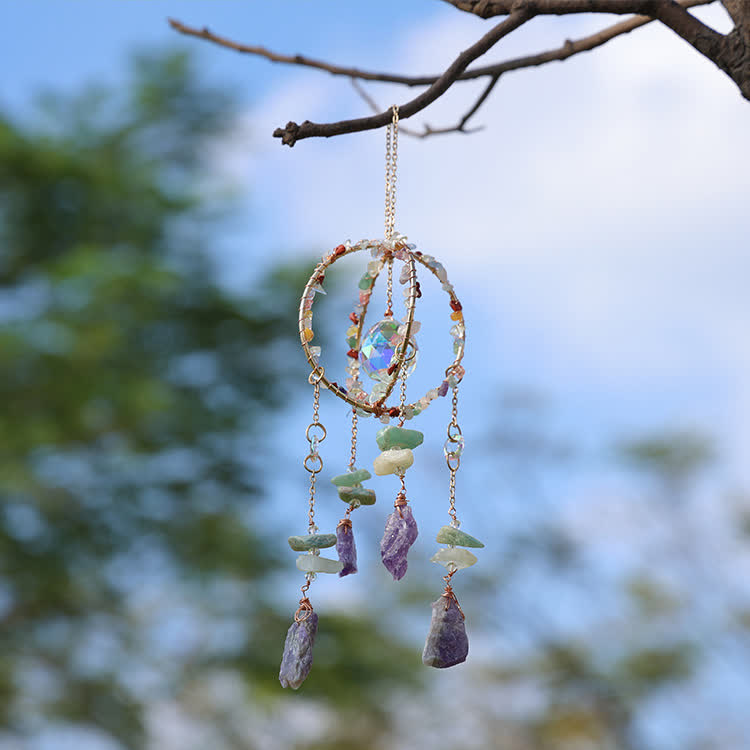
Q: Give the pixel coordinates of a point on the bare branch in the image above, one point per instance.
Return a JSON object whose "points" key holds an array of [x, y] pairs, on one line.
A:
{"points": [[375, 107], [568, 49], [706, 40], [337, 70], [428, 131], [490, 8], [582, 45], [294, 132]]}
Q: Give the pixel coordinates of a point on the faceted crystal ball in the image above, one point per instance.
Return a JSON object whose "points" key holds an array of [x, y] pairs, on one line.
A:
{"points": [[379, 347]]}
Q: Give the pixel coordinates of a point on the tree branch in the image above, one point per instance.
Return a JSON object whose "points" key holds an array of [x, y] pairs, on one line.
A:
{"points": [[582, 45], [337, 70], [428, 131], [706, 40], [294, 132], [490, 8], [568, 49], [731, 53]]}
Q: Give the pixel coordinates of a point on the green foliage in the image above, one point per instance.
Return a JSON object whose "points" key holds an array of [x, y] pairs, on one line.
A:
{"points": [[133, 396], [649, 668], [674, 457]]}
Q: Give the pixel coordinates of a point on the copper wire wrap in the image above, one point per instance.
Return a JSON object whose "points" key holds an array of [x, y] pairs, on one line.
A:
{"points": [[401, 500], [449, 594]]}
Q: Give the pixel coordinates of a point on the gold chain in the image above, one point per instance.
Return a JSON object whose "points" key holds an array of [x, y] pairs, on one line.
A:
{"points": [[353, 457], [391, 159], [389, 290], [402, 400], [313, 463], [453, 448]]}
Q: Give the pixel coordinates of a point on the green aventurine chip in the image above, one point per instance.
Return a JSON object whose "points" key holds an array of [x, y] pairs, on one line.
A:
{"points": [[311, 541], [449, 535]]}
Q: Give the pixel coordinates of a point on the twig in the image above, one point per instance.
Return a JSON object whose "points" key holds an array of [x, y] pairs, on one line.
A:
{"points": [[308, 62], [293, 132], [375, 107], [428, 131]]}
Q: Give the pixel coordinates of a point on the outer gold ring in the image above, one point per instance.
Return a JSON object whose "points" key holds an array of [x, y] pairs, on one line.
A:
{"points": [[396, 248]]}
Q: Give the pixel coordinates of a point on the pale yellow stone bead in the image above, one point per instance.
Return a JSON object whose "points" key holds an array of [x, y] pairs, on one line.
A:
{"points": [[394, 461], [317, 564], [454, 557]]}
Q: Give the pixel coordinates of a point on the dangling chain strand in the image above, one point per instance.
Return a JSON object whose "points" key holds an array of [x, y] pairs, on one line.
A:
{"points": [[353, 456], [453, 449], [402, 400], [313, 463], [391, 159]]}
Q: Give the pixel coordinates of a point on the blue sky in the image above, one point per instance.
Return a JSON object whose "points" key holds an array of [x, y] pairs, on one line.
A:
{"points": [[596, 230]]}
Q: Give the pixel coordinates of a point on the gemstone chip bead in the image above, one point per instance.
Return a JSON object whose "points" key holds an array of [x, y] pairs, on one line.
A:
{"points": [[398, 437], [311, 541], [394, 461], [456, 537], [351, 478], [454, 558], [317, 564], [357, 496]]}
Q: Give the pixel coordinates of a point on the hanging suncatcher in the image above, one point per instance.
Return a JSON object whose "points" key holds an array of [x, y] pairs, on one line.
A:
{"points": [[386, 354]]}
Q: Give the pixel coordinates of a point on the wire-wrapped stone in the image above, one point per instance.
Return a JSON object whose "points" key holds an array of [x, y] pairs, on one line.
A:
{"points": [[298, 651], [346, 548], [446, 643], [400, 533]]}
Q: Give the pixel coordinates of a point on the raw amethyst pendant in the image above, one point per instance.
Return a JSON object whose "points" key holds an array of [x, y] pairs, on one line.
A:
{"points": [[298, 651], [400, 533], [346, 548], [446, 643]]}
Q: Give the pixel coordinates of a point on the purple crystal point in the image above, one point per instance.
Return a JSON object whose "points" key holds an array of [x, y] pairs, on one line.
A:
{"points": [[298, 652], [400, 533], [446, 643], [346, 548]]}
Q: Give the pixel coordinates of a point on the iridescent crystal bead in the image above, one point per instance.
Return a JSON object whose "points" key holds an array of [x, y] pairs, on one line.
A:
{"points": [[454, 448], [379, 348]]}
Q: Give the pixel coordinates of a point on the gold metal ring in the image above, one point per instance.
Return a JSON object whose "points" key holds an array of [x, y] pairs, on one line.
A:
{"points": [[320, 426], [305, 324], [313, 469]]}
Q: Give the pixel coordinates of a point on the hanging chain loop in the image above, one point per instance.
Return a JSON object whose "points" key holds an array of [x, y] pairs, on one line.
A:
{"points": [[391, 160]]}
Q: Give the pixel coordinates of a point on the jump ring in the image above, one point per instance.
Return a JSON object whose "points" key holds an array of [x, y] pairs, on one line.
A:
{"points": [[321, 437], [454, 432], [453, 462], [312, 468], [316, 376]]}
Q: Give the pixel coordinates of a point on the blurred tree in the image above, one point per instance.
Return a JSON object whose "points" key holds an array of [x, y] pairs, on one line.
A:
{"points": [[132, 403]]}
